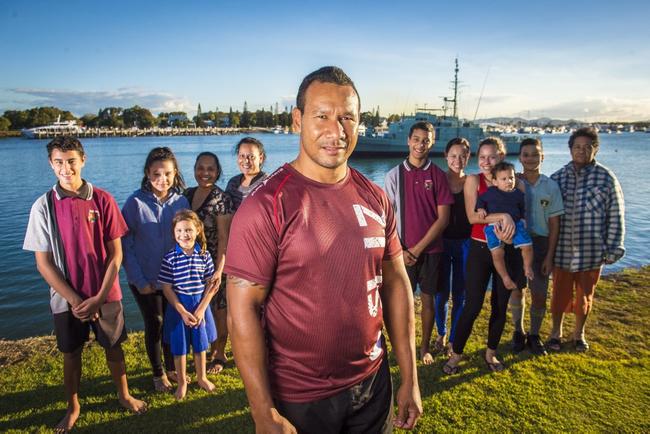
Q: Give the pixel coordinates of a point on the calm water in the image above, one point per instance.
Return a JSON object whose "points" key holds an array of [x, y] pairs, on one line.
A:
{"points": [[116, 165]]}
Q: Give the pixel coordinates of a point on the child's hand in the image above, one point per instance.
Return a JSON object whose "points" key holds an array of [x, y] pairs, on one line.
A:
{"points": [[148, 289], [199, 314], [481, 213], [188, 318]]}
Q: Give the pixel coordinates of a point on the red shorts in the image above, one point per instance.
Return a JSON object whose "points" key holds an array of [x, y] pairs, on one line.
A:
{"points": [[564, 282]]}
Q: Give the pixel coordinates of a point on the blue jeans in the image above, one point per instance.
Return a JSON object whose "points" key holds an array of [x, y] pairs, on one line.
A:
{"points": [[452, 282]]}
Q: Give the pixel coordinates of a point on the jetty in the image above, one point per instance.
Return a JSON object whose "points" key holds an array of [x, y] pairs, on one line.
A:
{"points": [[145, 132]]}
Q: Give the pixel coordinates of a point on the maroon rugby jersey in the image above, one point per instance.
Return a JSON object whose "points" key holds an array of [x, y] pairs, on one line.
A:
{"points": [[319, 247]]}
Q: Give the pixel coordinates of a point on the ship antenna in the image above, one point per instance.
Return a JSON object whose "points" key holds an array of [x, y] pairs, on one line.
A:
{"points": [[482, 90], [455, 99]]}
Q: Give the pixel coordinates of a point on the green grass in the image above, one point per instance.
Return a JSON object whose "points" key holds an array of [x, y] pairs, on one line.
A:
{"points": [[605, 390]]}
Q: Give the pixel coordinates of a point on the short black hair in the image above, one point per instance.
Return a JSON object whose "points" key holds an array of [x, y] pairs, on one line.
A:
{"points": [[326, 74], [64, 144], [530, 141], [589, 132], [424, 126], [500, 167]]}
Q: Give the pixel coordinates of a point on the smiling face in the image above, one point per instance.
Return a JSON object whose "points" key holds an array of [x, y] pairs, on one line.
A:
{"points": [[328, 131], [67, 168], [249, 160], [488, 157], [531, 157], [457, 158], [185, 234], [505, 180], [206, 171], [420, 143], [161, 176]]}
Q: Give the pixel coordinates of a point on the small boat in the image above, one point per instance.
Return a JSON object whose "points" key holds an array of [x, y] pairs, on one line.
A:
{"points": [[58, 128]]}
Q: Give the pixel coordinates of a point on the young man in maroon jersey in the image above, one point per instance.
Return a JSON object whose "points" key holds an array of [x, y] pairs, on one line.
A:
{"points": [[316, 244], [419, 193]]}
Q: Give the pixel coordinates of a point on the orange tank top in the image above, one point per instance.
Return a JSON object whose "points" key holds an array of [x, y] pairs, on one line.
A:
{"points": [[477, 229]]}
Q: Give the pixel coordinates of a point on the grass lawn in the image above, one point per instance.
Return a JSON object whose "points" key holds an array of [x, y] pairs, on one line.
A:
{"points": [[605, 390]]}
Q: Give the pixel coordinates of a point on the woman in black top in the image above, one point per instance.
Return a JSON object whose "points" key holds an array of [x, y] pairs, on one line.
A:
{"points": [[456, 243], [215, 209]]}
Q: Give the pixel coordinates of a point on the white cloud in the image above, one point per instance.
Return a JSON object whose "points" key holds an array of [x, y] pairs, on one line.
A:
{"points": [[82, 102]]}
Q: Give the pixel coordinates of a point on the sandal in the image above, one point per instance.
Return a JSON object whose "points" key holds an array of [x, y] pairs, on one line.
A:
{"points": [[495, 367], [216, 366], [581, 346], [449, 369], [554, 344], [173, 376], [162, 384]]}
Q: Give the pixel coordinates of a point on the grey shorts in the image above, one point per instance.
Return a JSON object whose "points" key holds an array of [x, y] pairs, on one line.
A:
{"points": [[539, 285], [71, 333]]}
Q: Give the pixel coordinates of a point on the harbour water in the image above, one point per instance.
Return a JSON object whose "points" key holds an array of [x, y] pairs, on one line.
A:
{"points": [[115, 164]]}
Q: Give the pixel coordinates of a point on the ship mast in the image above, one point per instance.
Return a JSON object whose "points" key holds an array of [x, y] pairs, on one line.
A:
{"points": [[455, 99]]}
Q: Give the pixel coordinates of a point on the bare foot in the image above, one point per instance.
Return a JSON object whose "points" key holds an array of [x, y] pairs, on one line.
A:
{"points": [[181, 391], [68, 421], [528, 271], [206, 385], [162, 384], [173, 376], [508, 283], [134, 405], [426, 356]]}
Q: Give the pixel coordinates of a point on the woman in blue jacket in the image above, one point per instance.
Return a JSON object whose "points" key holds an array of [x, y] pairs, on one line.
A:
{"points": [[148, 213]]}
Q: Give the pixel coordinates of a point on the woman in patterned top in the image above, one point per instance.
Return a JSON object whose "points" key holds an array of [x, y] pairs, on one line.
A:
{"points": [[215, 208]]}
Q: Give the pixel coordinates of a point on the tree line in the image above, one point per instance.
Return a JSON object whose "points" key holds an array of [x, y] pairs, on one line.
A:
{"points": [[140, 117]]}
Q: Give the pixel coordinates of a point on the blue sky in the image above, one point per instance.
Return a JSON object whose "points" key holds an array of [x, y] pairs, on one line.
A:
{"points": [[586, 60]]}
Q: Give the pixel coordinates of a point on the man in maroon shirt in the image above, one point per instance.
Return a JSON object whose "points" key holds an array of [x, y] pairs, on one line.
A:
{"points": [[316, 244]]}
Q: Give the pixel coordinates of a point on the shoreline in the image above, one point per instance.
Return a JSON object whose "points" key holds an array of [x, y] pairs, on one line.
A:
{"points": [[17, 350]]}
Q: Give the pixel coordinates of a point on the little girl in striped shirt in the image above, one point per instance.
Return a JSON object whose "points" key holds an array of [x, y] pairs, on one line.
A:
{"points": [[184, 272]]}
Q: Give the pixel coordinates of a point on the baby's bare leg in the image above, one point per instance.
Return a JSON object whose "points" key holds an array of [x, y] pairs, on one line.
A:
{"points": [[498, 259], [527, 255]]}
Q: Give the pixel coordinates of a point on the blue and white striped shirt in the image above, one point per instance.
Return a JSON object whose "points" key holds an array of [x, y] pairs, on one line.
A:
{"points": [[186, 273], [592, 228]]}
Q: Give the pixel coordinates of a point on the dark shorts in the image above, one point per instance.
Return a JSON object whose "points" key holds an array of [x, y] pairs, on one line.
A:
{"points": [[426, 273], [539, 284], [219, 301], [71, 333], [366, 407]]}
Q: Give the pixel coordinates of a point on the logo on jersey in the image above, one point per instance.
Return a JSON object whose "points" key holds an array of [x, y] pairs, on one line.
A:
{"points": [[377, 350], [544, 202], [374, 301], [428, 184], [93, 215]]}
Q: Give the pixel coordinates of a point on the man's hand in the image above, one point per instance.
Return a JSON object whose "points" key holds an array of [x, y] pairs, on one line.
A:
{"points": [[409, 407], [88, 310], [547, 265], [409, 258], [276, 423]]}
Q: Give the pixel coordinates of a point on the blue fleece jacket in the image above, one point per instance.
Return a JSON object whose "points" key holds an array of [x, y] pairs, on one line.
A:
{"points": [[150, 234]]}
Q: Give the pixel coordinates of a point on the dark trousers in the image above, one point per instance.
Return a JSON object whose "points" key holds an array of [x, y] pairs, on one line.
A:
{"points": [[152, 307], [478, 272], [366, 407]]}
